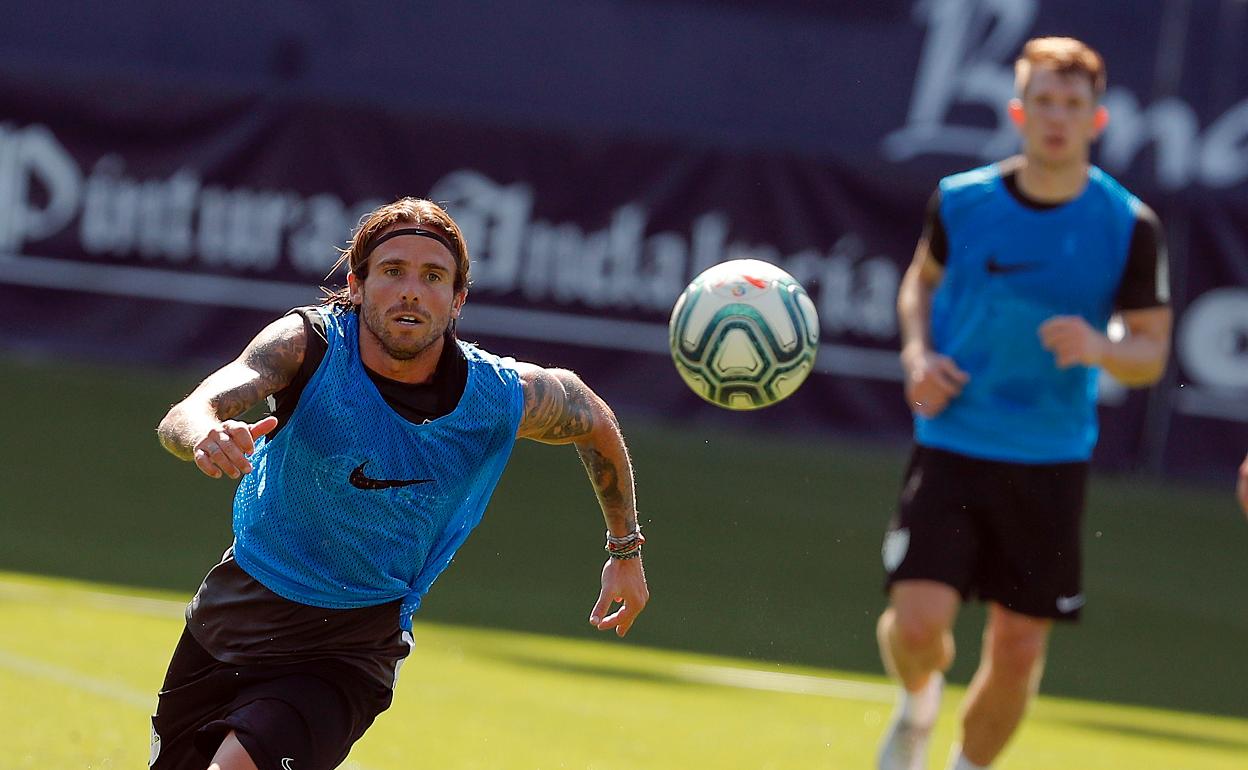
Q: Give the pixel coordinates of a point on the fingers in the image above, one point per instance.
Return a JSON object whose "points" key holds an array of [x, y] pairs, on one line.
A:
{"points": [[1055, 331], [217, 454], [926, 401], [263, 427], [623, 582], [1066, 339], [239, 440], [947, 378], [938, 381], [621, 620], [950, 371], [224, 451], [600, 608], [206, 464]]}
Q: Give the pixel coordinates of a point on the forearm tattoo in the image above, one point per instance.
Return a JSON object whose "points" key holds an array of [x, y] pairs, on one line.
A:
{"points": [[605, 477], [560, 409], [267, 365]]}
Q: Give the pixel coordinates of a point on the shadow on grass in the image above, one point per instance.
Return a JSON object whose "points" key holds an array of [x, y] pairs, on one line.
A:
{"points": [[1166, 734], [589, 669]]}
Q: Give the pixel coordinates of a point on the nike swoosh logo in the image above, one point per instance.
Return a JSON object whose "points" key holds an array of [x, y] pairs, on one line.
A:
{"points": [[360, 481], [287, 763], [997, 268]]}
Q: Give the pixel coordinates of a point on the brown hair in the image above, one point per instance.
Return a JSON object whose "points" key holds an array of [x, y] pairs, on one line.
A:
{"points": [[1066, 56], [418, 212]]}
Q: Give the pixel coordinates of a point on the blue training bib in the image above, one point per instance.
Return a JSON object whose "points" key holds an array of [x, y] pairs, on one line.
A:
{"points": [[1009, 269], [350, 505]]}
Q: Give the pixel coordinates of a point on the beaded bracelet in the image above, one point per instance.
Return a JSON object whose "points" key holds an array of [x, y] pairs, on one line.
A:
{"points": [[626, 547]]}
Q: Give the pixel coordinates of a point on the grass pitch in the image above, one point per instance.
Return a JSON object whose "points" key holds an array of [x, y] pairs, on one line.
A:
{"points": [[80, 664], [762, 546]]}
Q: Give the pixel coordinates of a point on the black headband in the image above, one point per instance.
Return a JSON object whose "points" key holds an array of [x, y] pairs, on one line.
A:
{"points": [[415, 231]]}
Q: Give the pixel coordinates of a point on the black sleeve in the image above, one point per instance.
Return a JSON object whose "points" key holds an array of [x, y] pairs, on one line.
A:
{"points": [[1146, 279], [283, 402], [934, 230]]}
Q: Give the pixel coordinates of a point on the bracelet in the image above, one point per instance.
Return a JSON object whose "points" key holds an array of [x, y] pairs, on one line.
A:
{"points": [[626, 547]]}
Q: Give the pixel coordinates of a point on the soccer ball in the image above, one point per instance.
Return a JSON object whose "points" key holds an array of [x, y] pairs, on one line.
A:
{"points": [[744, 334]]}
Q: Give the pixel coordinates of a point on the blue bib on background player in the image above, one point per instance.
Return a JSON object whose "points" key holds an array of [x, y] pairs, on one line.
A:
{"points": [[350, 505], [1009, 269]]}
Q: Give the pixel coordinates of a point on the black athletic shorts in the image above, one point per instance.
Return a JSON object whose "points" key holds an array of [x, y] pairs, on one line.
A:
{"points": [[302, 715], [1003, 532]]}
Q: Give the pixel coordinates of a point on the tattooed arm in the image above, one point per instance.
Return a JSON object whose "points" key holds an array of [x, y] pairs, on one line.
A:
{"points": [[560, 409], [201, 428]]}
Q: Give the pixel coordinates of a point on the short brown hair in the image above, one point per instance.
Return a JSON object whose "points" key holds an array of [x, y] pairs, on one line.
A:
{"points": [[1066, 56], [418, 212]]}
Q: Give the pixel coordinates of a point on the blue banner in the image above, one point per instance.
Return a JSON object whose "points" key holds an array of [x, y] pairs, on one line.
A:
{"points": [[158, 219]]}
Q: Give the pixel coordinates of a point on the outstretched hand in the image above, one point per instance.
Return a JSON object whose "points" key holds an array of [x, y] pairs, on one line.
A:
{"points": [[623, 582], [228, 445]]}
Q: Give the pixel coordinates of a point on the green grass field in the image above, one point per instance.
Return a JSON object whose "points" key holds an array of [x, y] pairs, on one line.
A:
{"points": [[79, 665], [764, 551]]}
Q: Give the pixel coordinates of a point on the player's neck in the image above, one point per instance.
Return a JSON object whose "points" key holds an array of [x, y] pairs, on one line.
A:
{"points": [[1048, 183], [418, 369]]}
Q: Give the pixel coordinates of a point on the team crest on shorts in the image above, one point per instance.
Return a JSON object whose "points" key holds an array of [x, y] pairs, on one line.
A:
{"points": [[896, 543], [153, 745]]}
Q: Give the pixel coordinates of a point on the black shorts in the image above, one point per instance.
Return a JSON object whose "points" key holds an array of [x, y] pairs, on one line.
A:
{"points": [[1003, 532], [303, 715]]}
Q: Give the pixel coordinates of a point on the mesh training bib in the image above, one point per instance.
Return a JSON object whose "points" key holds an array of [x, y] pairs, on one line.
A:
{"points": [[1009, 269], [350, 505]]}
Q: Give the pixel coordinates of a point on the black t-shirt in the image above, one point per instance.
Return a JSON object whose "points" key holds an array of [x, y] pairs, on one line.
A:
{"points": [[1144, 281], [416, 403]]}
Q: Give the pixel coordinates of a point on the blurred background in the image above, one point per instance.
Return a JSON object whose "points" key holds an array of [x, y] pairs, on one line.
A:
{"points": [[175, 175]]}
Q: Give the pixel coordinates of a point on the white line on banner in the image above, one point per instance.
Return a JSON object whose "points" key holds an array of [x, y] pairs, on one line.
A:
{"points": [[1228, 404], [507, 322]]}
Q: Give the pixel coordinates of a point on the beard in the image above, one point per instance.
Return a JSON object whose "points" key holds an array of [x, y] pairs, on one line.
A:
{"points": [[403, 347]]}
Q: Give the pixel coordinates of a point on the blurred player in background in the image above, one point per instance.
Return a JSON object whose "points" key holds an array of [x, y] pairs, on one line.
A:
{"points": [[1241, 488], [387, 438], [1003, 316]]}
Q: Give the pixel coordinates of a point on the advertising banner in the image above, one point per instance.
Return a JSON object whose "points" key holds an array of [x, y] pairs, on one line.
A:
{"points": [[143, 220]]}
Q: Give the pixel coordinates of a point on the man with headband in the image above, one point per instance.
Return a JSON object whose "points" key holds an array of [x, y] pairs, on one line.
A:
{"points": [[386, 438]]}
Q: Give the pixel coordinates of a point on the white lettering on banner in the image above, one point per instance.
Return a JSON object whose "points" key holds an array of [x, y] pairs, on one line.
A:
{"points": [[1212, 346], [179, 221], [1213, 340], [31, 159], [153, 218], [967, 61], [621, 267]]}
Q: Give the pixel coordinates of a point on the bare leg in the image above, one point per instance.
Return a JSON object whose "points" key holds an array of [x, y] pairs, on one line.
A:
{"points": [[232, 756], [915, 643], [1008, 675], [915, 633]]}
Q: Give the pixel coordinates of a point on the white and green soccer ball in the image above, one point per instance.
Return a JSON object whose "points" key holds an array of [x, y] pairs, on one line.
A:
{"points": [[744, 334]]}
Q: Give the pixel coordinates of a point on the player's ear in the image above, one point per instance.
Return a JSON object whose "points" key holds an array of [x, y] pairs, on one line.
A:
{"points": [[355, 289], [1101, 119], [457, 304], [1015, 110]]}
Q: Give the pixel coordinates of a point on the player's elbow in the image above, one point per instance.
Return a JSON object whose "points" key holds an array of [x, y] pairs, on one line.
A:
{"points": [[168, 430]]}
